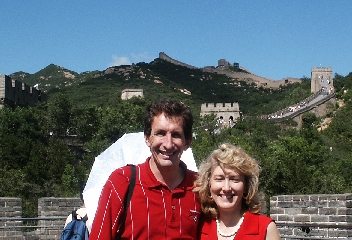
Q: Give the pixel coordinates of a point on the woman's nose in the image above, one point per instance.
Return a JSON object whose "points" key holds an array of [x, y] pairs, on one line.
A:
{"points": [[226, 186]]}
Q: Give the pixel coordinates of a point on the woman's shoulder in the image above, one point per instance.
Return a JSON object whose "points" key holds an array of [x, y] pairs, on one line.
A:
{"points": [[259, 216]]}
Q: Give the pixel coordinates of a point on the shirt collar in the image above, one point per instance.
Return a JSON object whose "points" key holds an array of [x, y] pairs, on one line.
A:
{"points": [[151, 181]]}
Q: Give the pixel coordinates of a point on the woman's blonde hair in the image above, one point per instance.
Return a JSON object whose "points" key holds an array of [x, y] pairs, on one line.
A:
{"points": [[235, 158]]}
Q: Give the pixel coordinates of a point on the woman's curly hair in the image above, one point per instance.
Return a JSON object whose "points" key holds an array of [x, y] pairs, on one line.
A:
{"points": [[235, 158]]}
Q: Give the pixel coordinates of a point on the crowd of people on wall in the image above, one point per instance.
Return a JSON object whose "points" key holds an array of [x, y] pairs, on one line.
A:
{"points": [[325, 90]]}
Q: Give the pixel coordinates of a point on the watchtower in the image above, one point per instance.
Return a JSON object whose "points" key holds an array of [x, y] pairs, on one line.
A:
{"points": [[321, 76], [223, 110]]}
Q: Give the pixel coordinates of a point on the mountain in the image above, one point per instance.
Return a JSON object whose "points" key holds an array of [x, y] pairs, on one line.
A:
{"points": [[159, 79], [51, 77]]}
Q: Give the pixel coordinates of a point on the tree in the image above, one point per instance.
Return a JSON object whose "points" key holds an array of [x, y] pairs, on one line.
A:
{"points": [[123, 118], [59, 109], [85, 121]]}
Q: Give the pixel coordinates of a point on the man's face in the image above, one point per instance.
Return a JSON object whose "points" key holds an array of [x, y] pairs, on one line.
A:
{"points": [[167, 141]]}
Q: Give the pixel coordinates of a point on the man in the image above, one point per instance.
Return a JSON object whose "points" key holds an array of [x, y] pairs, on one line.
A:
{"points": [[163, 205]]}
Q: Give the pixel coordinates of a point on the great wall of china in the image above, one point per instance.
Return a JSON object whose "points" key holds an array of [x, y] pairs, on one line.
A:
{"points": [[242, 76], [321, 88], [15, 93]]}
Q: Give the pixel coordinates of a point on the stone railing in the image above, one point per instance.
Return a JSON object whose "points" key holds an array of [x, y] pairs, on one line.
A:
{"points": [[324, 216], [320, 216]]}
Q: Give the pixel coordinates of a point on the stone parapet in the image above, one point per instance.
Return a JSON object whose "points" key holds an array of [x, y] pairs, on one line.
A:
{"points": [[10, 208], [320, 216], [16, 93], [311, 211]]}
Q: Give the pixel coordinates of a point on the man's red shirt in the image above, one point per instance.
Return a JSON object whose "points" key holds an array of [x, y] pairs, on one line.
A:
{"points": [[155, 211]]}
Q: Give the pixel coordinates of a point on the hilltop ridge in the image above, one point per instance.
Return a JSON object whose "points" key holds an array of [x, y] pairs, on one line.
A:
{"points": [[54, 76], [244, 75]]}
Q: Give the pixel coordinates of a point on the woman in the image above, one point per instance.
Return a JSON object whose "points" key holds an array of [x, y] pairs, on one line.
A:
{"points": [[228, 192]]}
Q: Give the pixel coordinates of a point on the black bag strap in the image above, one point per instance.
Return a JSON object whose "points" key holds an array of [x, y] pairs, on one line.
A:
{"points": [[74, 215], [130, 188], [85, 218], [127, 199]]}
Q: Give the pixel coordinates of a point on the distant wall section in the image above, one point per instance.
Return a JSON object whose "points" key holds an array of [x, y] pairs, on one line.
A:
{"points": [[16, 93], [223, 68], [171, 60], [129, 93]]}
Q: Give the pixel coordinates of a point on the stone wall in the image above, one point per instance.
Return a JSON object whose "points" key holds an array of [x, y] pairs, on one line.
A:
{"points": [[241, 76], [303, 212], [129, 93], [56, 208], [251, 78], [173, 61], [16, 93], [52, 214], [10, 208], [292, 213]]}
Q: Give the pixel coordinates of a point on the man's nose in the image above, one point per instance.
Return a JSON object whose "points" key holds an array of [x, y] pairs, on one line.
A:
{"points": [[168, 141]]}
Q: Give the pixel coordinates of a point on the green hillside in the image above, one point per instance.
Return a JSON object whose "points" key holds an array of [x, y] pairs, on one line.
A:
{"points": [[49, 150], [160, 79]]}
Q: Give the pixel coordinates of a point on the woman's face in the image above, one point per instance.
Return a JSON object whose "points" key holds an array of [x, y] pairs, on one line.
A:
{"points": [[226, 188]]}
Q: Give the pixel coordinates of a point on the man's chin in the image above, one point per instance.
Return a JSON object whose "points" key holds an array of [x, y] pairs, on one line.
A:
{"points": [[165, 162]]}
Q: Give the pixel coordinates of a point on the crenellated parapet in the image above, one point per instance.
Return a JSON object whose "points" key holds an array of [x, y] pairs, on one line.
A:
{"points": [[16, 93]]}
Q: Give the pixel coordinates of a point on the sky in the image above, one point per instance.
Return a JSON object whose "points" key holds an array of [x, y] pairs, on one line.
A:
{"points": [[271, 38]]}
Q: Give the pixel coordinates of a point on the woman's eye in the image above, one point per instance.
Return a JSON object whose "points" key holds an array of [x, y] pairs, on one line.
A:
{"points": [[218, 179]]}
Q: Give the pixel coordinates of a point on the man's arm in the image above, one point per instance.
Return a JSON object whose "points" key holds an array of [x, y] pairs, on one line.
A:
{"points": [[110, 207]]}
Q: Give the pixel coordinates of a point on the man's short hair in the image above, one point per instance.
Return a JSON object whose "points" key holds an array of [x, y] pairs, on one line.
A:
{"points": [[171, 109]]}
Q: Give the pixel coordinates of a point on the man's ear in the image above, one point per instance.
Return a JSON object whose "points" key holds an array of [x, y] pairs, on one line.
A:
{"points": [[146, 139]]}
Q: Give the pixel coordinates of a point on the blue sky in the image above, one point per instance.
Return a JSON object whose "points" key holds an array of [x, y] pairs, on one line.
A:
{"points": [[271, 38]]}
